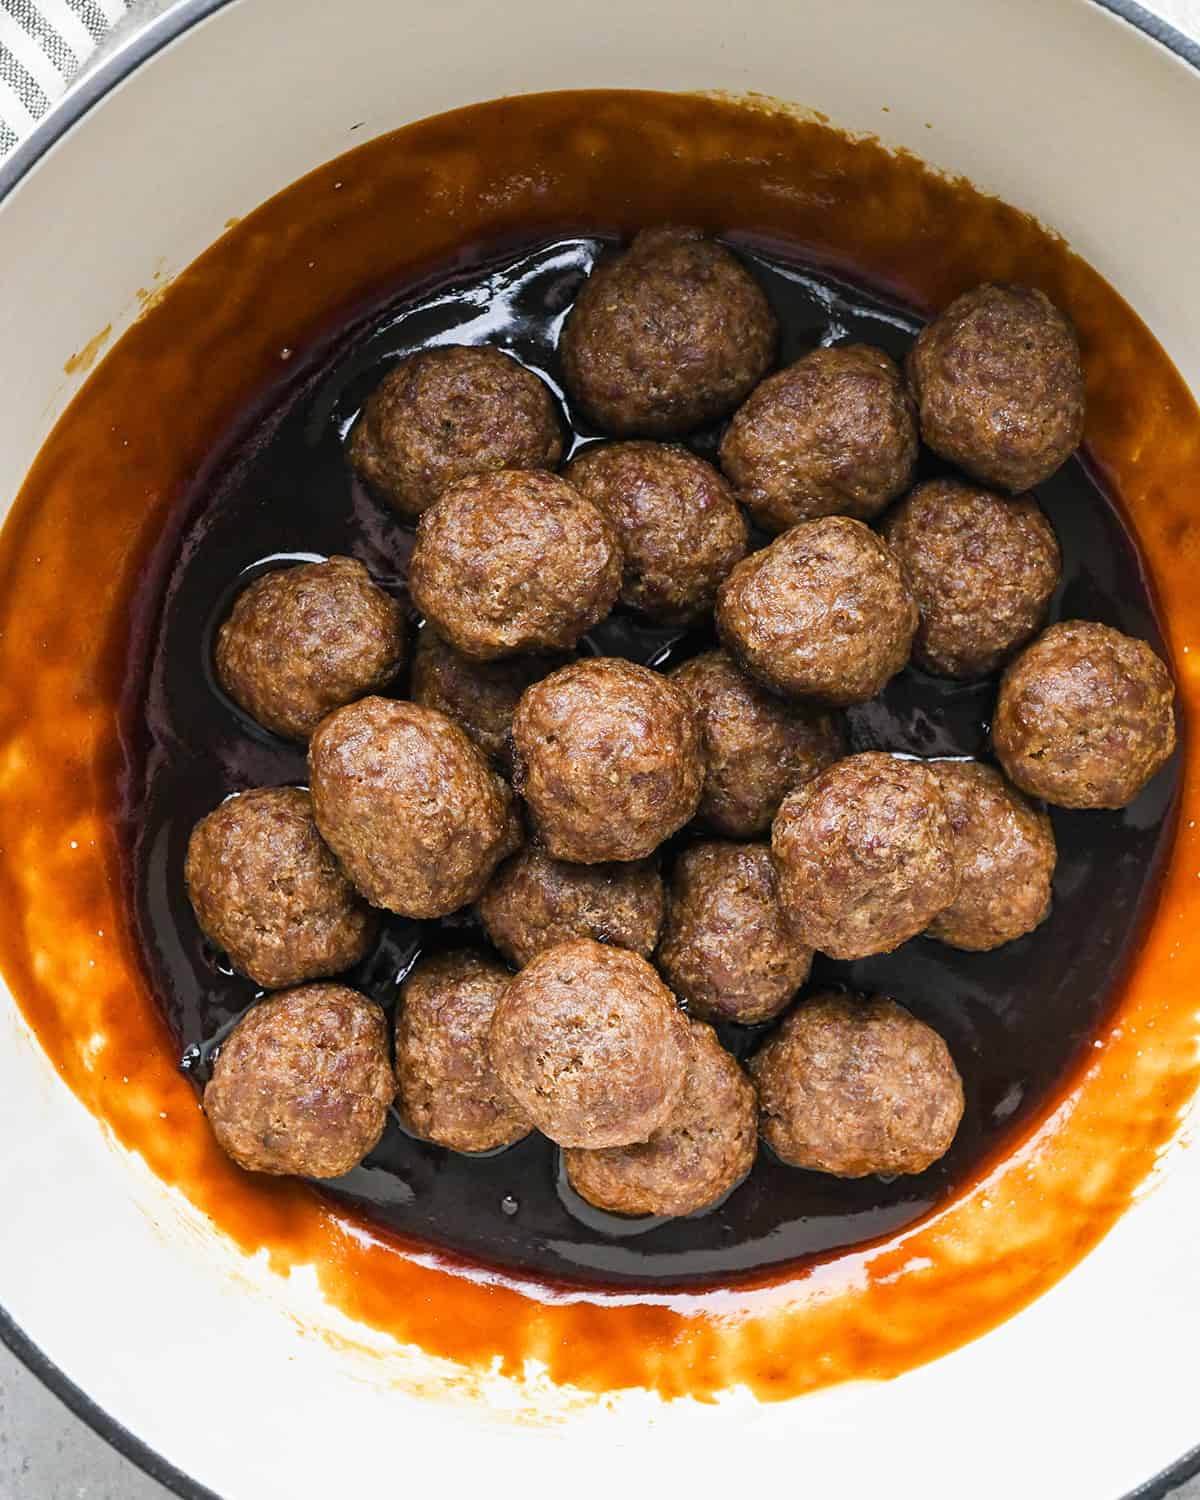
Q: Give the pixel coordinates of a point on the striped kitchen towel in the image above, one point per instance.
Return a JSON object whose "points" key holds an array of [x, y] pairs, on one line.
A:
{"points": [[43, 43]]}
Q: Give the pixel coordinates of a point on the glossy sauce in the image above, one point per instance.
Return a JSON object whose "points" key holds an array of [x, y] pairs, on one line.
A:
{"points": [[279, 489]]}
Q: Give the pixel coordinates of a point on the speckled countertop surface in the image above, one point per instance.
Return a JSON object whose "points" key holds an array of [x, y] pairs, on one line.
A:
{"points": [[46, 1453]]}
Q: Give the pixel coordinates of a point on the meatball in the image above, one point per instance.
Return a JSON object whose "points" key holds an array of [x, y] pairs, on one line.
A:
{"points": [[999, 385], [666, 336], [302, 641], [267, 891], [511, 562], [409, 806], [982, 569], [852, 1086], [823, 612], [1005, 852], [1085, 716], [607, 757], [679, 526], [864, 855], [833, 434], [727, 949], [442, 414], [756, 747], [535, 902], [706, 1147], [448, 1092], [480, 696], [302, 1084], [590, 1043]]}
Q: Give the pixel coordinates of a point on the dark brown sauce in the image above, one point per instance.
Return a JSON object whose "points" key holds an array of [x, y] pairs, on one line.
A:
{"points": [[279, 490]]}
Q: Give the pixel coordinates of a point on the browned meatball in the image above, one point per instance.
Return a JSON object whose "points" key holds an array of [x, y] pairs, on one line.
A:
{"points": [[1005, 852], [535, 902], [853, 1086], [982, 568], [480, 696], [511, 562], [678, 524], [302, 641], [727, 948], [302, 1084], [666, 336], [833, 434], [1085, 716], [607, 757], [823, 612], [999, 385], [864, 855], [590, 1043], [267, 891], [756, 747], [705, 1149], [442, 414], [448, 1092], [409, 806]]}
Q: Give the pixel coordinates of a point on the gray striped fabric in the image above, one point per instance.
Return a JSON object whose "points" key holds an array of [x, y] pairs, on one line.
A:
{"points": [[43, 43]]}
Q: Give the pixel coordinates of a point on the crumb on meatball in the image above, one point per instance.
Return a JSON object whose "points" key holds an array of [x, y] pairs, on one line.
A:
{"points": [[302, 1084], [727, 949], [269, 893], [999, 385], [534, 902], [410, 806], [666, 336], [448, 1091], [303, 640], [590, 1043], [606, 755], [982, 568], [823, 612], [678, 524], [854, 1086], [692, 1161], [1085, 716], [833, 434], [756, 747], [864, 855], [511, 562], [444, 413]]}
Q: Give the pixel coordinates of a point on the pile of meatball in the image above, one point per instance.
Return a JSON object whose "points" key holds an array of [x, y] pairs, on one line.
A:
{"points": [[539, 785]]}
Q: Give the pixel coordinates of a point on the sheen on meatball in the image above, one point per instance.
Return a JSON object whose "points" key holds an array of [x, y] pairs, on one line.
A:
{"points": [[1085, 716], [999, 385], [853, 1086], [302, 1084], [268, 892], [678, 524], [302, 641], [535, 902], [666, 336], [864, 855], [410, 807], [590, 1043], [756, 747], [703, 1151], [1005, 852], [607, 757], [442, 414], [480, 696], [510, 562], [727, 948], [823, 612], [448, 1091], [833, 434], [982, 568]]}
